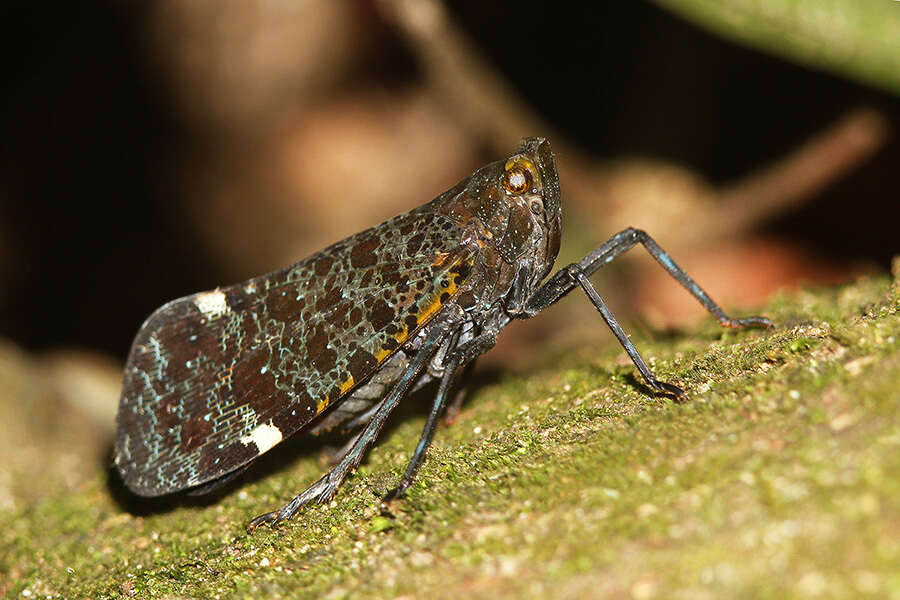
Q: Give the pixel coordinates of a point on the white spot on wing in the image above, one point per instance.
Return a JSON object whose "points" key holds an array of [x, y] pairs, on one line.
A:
{"points": [[265, 436], [212, 304]]}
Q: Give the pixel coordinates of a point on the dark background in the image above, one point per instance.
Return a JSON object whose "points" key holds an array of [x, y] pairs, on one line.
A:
{"points": [[95, 145]]}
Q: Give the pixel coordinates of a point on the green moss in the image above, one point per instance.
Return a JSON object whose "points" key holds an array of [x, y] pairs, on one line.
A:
{"points": [[777, 477]]}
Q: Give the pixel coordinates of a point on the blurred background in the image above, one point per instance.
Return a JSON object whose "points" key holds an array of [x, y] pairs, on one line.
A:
{"points": [[152, 150]]}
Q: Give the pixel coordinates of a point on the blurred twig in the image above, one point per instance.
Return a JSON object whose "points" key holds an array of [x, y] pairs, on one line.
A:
{"points": [[859, 39], [481, 100], [492, 112], [800, 175]]}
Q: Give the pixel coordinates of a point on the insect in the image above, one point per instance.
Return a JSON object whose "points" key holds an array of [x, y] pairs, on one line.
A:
{"points": [[216, 379]]}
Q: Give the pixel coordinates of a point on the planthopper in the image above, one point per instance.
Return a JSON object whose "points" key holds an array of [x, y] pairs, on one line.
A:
{"points": [[216, 379]]}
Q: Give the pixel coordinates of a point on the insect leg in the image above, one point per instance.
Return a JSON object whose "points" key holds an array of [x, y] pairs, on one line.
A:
{"points": [[450, 370], [324, 489], [600, 305], [365, 417], [565, 280], [556, 287], [335, 456], [452, 412]]}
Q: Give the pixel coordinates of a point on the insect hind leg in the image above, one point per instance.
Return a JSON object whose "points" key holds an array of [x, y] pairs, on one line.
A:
{"points": [[324, 489], [451, 413]]}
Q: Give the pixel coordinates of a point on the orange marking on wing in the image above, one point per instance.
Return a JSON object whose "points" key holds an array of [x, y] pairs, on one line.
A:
{"points": [[346, 385], [434, 304], [226, 375], [343, 389], [440, 259]]}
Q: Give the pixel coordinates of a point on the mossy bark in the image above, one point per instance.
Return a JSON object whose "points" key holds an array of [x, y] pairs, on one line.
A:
{"points": [[779, 477]]}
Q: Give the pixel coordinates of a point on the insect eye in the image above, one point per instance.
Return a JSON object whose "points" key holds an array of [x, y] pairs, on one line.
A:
{"points": [[517, 180]]}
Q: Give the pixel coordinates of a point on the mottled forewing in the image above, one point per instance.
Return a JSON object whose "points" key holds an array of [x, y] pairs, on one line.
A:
{"points": [[215, 379]]}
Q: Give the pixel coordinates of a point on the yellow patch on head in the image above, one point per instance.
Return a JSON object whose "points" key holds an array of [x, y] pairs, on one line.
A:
{"points": [[519, 161]]}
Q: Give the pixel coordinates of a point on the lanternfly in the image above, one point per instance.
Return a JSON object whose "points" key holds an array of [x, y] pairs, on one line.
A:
{"points": [[216, 379]]}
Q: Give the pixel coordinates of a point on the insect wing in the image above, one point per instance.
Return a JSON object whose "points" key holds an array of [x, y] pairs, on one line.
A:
{"points": [[215, 379]]}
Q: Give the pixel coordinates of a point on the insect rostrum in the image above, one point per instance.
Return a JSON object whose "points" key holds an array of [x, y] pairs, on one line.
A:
{"points": [[216, 379]]}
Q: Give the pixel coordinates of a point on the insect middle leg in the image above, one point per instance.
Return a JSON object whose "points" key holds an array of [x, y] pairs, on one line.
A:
{"points": [[451, 372], [460, 358], [437, 407], [325, 488], [453, 409], [578, 274]]}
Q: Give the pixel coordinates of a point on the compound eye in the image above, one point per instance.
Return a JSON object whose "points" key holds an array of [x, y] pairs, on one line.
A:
{"points": [[517, 180]]}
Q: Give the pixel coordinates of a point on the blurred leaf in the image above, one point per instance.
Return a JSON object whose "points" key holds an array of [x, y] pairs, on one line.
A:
{"points": [[859, 39]]}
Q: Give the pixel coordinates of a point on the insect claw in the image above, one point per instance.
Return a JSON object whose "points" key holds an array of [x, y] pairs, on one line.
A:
{"points": [[275, 517], [669, 389], [395, 494], [749, 322], [270, 518]]}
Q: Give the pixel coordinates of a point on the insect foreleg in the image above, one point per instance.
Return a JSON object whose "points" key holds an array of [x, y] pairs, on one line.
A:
{"points": [[600, 305], [459, 358], [323, 490], [565, 280], [577, 274]]}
